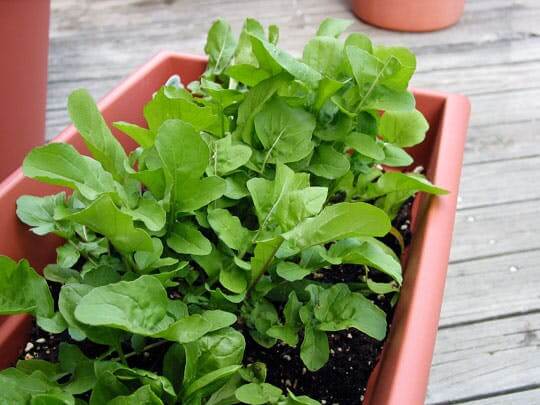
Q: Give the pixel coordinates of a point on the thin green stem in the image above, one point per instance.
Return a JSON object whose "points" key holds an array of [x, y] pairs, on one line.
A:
{"points": [[145, 348], [121, 354], [83, 254]]}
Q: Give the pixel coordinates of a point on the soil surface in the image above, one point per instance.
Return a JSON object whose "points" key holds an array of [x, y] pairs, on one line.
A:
{"points": [[342, 381]]}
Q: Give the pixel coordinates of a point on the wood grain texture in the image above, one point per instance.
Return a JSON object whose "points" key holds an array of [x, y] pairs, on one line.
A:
{"points": [[486, 346], [474, 288], [500, 354], [513, 227], [500, 182], [529, 396]]}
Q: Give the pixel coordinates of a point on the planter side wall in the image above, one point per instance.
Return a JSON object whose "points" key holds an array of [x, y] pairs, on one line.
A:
{"points": [[402, 374]]}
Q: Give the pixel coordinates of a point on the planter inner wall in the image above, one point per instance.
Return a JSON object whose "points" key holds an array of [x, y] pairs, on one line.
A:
{"points": [[410, 324]]}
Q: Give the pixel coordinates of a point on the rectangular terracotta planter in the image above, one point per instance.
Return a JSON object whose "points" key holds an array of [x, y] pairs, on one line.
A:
{"points": [[401, 376]]}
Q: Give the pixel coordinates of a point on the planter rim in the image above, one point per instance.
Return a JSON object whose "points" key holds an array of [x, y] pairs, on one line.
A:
{"points": [[402, 373]]}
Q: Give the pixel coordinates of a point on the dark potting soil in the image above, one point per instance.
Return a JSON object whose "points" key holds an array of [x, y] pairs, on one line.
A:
{"points": [[342, 381]]}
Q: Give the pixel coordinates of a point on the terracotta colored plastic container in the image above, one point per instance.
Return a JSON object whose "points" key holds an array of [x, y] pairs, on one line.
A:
{"points": [[409, 15], [402, 374], [24, 45]]}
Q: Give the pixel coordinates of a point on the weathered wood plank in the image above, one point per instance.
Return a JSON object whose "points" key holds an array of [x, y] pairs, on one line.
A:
{"points": [[494, 356], [487, 288], [514, 227], [499, 182], [505, 107], [501, 141], [479, 80], [531, 396]]}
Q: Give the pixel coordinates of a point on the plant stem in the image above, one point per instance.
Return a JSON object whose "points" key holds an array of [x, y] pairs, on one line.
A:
{"points": [[145, 348], [121, 354], [83, 254]]}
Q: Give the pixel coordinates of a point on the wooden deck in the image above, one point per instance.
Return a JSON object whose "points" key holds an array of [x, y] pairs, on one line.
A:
{"points": [[488, 348]]}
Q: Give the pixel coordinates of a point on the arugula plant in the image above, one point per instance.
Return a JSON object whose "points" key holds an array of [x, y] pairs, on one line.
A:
{"points": [[245, 186]]}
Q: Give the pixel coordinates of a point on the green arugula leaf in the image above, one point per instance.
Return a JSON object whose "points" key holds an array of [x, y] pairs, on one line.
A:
{"points": [[142, 136], [36, 388], [247, 74], [288, 332], [149, 212], [284, 132], [337, 308], [243, 55], [365, 145], [102, 216], [187, 329], [370, 252], [233, 278], [263, 256], [226, 156], [22, 290], [70, 295], [210, 378], [229, 229], [328, 162], [337, 222], [220, 47], [143, 395], [60, 164], [97, 136], [138, 306], [285, 201], [395, 156], [403, 128], [38, 212], [260, 316], [253, 103], [407, 60], [325, 54], [368, 68], [185, 157], [173, 104], [258, 393], [292, 271], [276, 60], [314, 351], [333, 27], [81, 368], [182, 150], [67, 255], [185, 238], [219, 349]]}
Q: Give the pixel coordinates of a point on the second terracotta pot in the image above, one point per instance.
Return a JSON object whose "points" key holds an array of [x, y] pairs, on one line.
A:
{"points": [[24, 45], [409, 15]]}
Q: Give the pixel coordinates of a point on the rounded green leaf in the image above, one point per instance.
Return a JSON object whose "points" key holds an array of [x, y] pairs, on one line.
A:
{"points": [[403, 128], [258, 393]]}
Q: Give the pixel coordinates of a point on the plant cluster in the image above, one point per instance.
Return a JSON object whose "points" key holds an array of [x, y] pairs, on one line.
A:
{"points": [[244, 187]]}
